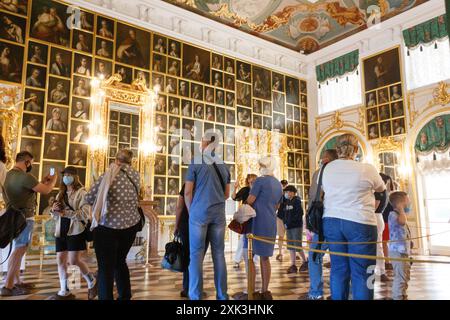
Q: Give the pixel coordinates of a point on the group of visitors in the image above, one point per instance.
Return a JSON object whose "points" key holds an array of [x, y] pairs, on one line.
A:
{"points": [[352, 193]]}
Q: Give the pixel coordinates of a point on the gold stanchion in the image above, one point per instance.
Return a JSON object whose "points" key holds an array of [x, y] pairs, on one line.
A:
{"points": [[251, 268]]}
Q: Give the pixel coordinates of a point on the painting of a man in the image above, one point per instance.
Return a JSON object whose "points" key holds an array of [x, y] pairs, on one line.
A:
{"points": [[133, 46]]}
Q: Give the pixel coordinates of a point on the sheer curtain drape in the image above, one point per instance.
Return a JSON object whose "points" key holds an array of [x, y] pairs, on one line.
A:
{"points": [[341, 94], [429, 65]]}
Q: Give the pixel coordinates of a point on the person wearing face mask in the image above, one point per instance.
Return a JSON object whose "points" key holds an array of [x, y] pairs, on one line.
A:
{"points": [[71, 213], [19, 191], [400, 246], [292, 217], [349, 216]]}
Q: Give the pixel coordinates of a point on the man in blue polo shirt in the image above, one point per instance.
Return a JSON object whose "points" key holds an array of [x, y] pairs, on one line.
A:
{"points": [[207, 187]]}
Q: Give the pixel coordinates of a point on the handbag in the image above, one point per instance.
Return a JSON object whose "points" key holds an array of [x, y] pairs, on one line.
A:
{"points": [[141, 223], [174, 259], [88, 234], [314, 216], [236, 226]]}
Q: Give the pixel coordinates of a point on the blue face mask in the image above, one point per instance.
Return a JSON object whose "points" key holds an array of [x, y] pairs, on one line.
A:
{"points": [[68, 180], [407, 210], [286, 196]]}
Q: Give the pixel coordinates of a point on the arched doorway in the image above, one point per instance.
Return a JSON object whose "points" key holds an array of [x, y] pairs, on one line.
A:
{"points": [[432, 154]]}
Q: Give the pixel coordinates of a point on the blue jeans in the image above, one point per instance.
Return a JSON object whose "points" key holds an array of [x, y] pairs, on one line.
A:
{"points": [[344, 269], [315, 269], [213, 231], [24, 238]]}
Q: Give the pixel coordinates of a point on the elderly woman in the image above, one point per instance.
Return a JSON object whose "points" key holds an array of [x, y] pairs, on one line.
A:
{"points": [[349, 216], [264, 197], [115, 222]]}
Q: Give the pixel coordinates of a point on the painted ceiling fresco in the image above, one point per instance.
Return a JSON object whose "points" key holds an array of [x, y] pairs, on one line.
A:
{"points": [[301, 25]]}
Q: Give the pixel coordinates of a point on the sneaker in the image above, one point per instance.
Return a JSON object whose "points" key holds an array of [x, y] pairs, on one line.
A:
{"points": [[308, 297], [236, 265], [327, 265], [15, 291], [266, 296], [24, 285], [303, 267], [69, 296], [384, 278], [279, 257], [92, 292], [292, 269], [244, 296]]}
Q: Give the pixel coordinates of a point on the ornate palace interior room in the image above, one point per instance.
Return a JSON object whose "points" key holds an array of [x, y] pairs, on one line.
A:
{"points": [[119, 96]]}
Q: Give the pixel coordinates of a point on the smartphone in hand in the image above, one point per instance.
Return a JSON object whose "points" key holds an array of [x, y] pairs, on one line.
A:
{"points": [[52, 171]]}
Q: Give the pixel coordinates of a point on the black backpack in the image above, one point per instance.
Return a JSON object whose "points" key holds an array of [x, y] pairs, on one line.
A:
{"points": [[12, 223], [315, 212]]}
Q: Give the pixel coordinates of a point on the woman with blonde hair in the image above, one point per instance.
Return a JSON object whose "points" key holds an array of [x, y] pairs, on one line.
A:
{"points": [[349, 216]]}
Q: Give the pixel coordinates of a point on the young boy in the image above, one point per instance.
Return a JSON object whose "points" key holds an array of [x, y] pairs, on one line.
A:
{"points": [[398, 231], [292, 216]]}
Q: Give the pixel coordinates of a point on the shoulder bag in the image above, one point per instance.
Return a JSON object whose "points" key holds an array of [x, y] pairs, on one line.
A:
{"points": [[140, 211]]}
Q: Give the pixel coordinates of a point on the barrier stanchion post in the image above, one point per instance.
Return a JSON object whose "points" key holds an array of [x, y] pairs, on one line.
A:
{"points": [[251, 268]]}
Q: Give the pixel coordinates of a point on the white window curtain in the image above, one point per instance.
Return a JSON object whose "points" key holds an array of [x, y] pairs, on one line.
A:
{"points": [[429, 65], [341, 94]]}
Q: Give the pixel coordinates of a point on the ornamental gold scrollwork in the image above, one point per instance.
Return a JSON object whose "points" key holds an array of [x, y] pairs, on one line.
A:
{"points": [[9, 116], [388, 144]]}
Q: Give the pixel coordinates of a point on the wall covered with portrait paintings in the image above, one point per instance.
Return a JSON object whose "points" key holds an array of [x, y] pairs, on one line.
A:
{"points": [[53, 59]]}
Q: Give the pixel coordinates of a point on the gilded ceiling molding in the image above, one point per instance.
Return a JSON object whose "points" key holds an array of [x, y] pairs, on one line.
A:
{"points": [[388, 144], [337, 121]]}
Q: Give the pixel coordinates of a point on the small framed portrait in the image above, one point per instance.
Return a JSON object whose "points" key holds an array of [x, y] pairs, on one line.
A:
{"points": [[209, 94], [124, 134], [34, 100], [382, 69], [267, 123], [46, 201], [142, 76], [244, 117], [398, 126], [371, 99], [126, 73], [58, 91], [305, 161], [306, 177], [83, 65], [303, 87], [33, 146], [113, 128], [231, 119], [174, 49], [217, 78], [159, 44], [171, 85], [186, 108], [383, 96], [158, 81], [86, 21], [196, 64], [229, 153], [114, 115], [37, 52], [133, 46], [298, 177], [291, 160], [61, 62], [135, 126], [304, 115], [17, 6], [113, 140], [304, 130], [197, 91], [105, 27], [267, 108], [289, 127], [220, 129], [183, 88], [81, 87], [228, 65], [171, 203], [396, 92], [397, 109], [257, 122], [292, 90], [173, 67], [261, 81], [161, 123], [298, 160], [220, 114], [55, 146], [103, 68], [161, 105], [173, 187], [124, 119], [289, 112], [303, 101], [174, 166], [12, 64], [174, 145], [79, 131], [279, 122], [228, 82], [230, 98], [32, 125], [217, 61], [48, 22], [125, 146], [291, 176], [243, 94], [174, 105], [210, 113], [161, 143], [82, 41], [257, 106], [112, 152], [199, 111], [229, 135], [297, 129], [174, 125], [298, 144], [384, 112], [220, 97], [160, 207], [159, 63], [104, 48], [78, 154], [36, 76], [243, 71], [277, 82], [388, 158], [160, 186], [385, 129], [278, 102], [372, 115], [57, 118]]}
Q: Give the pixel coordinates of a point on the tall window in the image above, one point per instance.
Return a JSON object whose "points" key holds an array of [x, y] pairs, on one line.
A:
{"points": [[427, 64], [344, 92]]}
